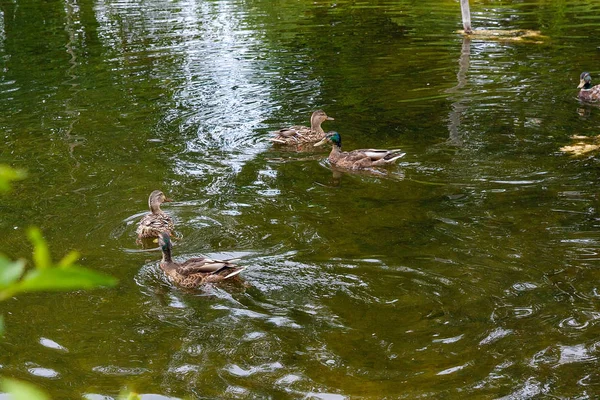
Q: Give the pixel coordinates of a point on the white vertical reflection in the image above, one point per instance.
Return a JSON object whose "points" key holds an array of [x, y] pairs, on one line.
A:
{"points": [[221, 90], [211, 60], [2, 30]]}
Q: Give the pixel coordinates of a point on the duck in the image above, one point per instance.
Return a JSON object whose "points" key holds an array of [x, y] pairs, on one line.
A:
{"points": [[157, 221], [194, 272], [357, 159], [295, 135], [588, 92]]}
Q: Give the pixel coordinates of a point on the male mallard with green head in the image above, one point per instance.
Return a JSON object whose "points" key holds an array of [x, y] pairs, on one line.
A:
{"points": [[157, 220], [295, 135], [588, 92], [195, 271], [357, 159]]}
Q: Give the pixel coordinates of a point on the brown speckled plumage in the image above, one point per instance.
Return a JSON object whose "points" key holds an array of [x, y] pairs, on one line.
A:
{"points": [[195, 271], [157, 220], [588, 92], [357, 159], [296, 135]]}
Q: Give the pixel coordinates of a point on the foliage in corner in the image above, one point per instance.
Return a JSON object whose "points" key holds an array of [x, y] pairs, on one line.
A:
{"points": [[20, 390], [46, 275], [8, 175], [129, 395]]}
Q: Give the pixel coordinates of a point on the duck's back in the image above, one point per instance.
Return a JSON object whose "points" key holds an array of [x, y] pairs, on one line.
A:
{"points": [[592, 94], [152, 225], [198, 271]]}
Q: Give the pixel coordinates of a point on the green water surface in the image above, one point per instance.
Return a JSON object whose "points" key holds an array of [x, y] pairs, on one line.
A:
{"points": [[468, 270]]}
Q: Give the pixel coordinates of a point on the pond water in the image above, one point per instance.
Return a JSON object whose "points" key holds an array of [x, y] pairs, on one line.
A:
{"points": [[468, 270]]}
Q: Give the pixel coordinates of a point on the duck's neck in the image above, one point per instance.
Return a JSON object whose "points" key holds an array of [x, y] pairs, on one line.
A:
{"points": [[155, 208], [336, 150], [587, 86], [166, 257], [315, 126]]}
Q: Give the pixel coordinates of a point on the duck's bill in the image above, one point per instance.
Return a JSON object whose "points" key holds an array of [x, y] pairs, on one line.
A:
{"points": [[581, 84], [168, 200], [330, 119], [320, 142]]}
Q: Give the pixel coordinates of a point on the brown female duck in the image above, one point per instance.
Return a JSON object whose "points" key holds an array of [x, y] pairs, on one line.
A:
{"points": [[195, 271], [588, 92], [357, 159], [157, 220], [295, 135]]}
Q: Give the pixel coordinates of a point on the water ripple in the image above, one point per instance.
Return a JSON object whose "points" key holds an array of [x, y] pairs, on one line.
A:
{"points": [[51, 344], [496, 335], [44, 372]]}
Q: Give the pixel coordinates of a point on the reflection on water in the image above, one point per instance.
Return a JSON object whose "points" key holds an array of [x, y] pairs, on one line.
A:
{"points": [[468, 269], [458, 107], [222, 96]]}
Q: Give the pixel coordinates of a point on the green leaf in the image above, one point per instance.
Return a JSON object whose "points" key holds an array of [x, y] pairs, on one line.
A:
{"points": [[20, 390], [41, 254], [69, 259], [7, 175], [70, 277], [10, 271], [125, 395]]}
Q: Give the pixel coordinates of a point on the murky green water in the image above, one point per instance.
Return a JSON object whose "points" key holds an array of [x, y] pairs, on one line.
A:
{"points": [[469, 270]]}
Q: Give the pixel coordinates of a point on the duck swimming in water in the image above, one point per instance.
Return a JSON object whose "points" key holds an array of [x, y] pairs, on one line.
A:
{"points": [[295, 135], [357, 159], [196, 271], [157, 220], [588, 92]]}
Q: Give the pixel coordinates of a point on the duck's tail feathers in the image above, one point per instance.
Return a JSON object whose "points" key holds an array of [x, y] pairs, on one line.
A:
{"points": [[233, 273], [277, 140], [225, 261], [393, 156], [383, 155]]}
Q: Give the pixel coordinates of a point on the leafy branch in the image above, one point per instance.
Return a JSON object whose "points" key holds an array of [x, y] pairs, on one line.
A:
{"points": [[8, 175], [45, 275]]}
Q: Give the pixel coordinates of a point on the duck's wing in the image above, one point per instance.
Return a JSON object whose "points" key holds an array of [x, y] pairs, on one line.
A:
{"points": [[378, 154], [204, 265], [150, 224], [158, 221], [224, 273], [353, 155], [286, 132], [595, 93], [292, 131]]}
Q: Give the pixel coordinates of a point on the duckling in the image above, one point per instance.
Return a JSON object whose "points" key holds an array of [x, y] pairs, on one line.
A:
{"points": [[295, 135], [588, 92], [195, 271], [157, 220], [357, 159]]}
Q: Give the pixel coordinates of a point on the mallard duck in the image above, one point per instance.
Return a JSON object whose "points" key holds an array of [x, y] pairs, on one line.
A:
{"points": [[195, 271], [157, 220], [295, 135], [357, 159], [588, 92]]}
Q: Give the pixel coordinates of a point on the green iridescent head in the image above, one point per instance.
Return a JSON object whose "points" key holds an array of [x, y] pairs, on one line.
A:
{"points": [[585, 80], [333, 137], [164, 241]]}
